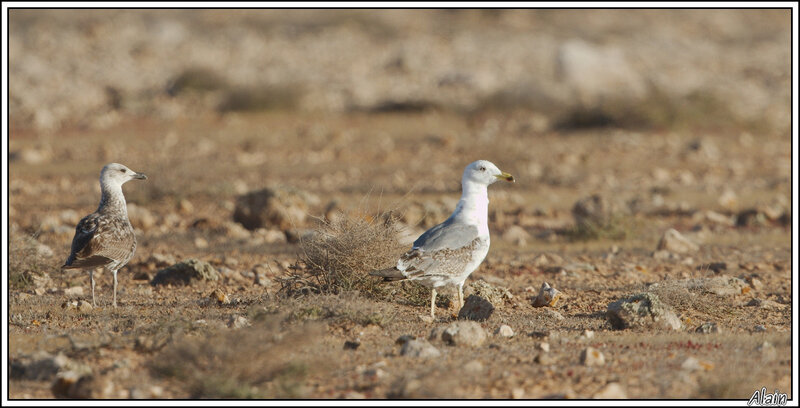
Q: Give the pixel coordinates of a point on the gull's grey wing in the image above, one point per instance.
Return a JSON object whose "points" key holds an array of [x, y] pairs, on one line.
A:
{"points": [[444, 250], [447, 235], [101, 241]]}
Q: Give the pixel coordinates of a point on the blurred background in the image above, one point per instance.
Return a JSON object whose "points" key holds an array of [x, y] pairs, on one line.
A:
{"points": [[570, 68]]}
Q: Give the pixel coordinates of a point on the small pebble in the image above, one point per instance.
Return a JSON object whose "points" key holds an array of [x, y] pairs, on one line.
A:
{"points": [[592, 357], [505, 331]]}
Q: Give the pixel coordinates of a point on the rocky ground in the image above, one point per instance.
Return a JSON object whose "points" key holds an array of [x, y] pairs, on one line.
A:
{"points": [[664, 235]]}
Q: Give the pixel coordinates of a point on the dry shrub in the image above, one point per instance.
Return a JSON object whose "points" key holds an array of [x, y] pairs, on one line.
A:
{"points": [[262, 361], [340, 254]]}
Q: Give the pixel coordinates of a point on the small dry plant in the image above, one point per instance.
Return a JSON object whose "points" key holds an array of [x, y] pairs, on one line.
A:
{"points": [[340, 254], [25, 262]]}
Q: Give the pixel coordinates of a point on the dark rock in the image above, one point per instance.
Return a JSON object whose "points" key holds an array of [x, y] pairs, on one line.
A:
{"points": [[183, 273], [644, 310], [280, 207], [476, 308]]}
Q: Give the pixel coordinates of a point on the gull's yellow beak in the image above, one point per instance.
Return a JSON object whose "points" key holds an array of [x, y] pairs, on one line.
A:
{"points": [[505, 176]]}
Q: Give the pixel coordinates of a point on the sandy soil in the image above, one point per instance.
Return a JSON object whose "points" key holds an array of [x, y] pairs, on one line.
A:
{"points": [[724, 184]]}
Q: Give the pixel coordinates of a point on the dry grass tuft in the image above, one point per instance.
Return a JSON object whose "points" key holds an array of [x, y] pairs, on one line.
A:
{"points": [[258, 362], [25, 262], [342, 252]]}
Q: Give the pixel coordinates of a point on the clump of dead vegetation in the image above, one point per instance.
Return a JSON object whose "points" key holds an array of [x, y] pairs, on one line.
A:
{"points": [[340, 254], [259, 362], [338, 257]]}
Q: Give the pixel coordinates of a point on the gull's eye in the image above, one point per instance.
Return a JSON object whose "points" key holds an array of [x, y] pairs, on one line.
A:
{"points": [[122, 170], [482, 168]]}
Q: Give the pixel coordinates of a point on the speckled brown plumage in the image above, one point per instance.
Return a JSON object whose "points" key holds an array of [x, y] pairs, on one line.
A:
{"points": [[105, 238]]}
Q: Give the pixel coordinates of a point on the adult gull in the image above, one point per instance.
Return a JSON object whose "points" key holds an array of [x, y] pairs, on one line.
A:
{"points": [[449, 252]]}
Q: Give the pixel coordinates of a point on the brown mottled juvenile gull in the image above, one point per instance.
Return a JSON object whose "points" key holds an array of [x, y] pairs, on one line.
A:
{"points": [[105, 238], [449, 252]]}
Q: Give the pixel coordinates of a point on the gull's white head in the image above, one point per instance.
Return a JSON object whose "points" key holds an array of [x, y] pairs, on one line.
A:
{"points": [[484, 172], [118, 174]]}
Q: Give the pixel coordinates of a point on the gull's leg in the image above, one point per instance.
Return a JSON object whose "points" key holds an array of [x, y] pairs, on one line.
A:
{"points": [[460, 295], [91, 277], [115, 287], [433, 302]]}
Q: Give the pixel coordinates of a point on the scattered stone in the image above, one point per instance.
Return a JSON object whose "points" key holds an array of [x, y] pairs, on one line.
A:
{"points": [[473, 366], [643, 310], [39, 366], [548, 296], [553, 314], [664, 255], [496, 295], [200, 243], [476, 308], [693, 364], [759, 328], [755, 283], [407, 337], [674, 242], [283, 208], [75, 385], [464, 333], [373, 374], [516, 235], [751, 217], [728, 200], [75, 291], [183, 273], [296, 235], [547, 260], [426, 318], [80, 306], [611, 391], [707, 328], [185, 206], [351, 344], [63, 383], [238, 322], [504, 331], [598, 211], [420, 349], [544, 347], [220, 297], [517, 393], [715, 218], [587, 334], [590, 356]]}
